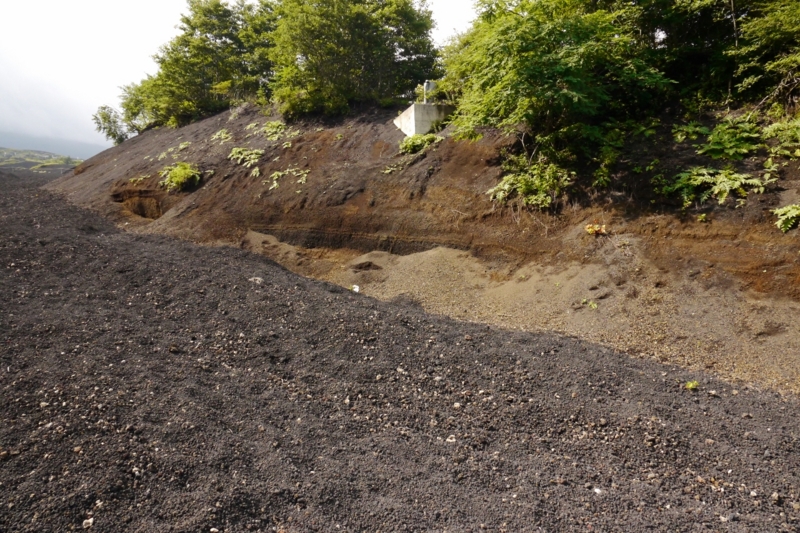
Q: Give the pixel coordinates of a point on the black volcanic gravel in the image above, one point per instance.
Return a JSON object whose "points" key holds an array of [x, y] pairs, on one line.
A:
{"points": [[152, 385]]}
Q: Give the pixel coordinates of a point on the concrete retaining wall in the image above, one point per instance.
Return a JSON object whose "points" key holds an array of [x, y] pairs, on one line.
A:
{"points": [[419, 118]]}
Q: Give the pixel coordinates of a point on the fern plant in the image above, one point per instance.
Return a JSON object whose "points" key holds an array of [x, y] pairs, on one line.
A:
{"points": [[787, 136], [690, 131], [222, 136], [732, 139], [788, 217], [179, 176], [273, 130], [538, 184], [243, 156], [701, 183]]}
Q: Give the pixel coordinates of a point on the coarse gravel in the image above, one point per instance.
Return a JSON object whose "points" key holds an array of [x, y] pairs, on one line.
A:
{"points": [[149, 384]]}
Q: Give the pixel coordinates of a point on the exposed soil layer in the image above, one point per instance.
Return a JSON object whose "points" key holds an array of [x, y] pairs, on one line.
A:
{"points": [[718, 294], [149, 384], [343, 184]]}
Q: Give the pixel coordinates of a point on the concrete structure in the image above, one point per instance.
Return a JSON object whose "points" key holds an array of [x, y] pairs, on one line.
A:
{"points": [[419, 118]]}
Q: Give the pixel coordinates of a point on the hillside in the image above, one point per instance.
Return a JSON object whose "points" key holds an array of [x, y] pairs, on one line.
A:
{"points": [[334, 199], [15, 160]]}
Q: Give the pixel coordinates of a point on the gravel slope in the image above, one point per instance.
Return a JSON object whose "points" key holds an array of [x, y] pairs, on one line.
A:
{"points": [[152, 385]]}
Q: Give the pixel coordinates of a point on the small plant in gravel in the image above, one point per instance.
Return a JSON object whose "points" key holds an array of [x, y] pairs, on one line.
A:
{"points": [[732, 139], [243, 156], [184, 145], [591, 304], [701, 183], [596, 229], [179, 176], [418, 143], [692, 385], [788, 217], [301, 175], [222, 136], [392, 168], [138, 180]]}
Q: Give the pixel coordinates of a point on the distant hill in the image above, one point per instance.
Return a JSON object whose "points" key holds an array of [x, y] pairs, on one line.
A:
{"points": [[74, 149], [35, 161]]}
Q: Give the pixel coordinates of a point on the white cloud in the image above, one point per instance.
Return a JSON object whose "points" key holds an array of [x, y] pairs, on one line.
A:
{"points": [[61, 60], [452, 17]]}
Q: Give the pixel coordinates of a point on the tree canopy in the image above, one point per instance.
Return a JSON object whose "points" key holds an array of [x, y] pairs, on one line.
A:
{"points": [[330, 53], [567, 71], [221, 55]]}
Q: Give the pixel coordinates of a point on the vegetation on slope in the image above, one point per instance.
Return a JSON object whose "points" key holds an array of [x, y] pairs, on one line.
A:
{"points": [[577, 81]]}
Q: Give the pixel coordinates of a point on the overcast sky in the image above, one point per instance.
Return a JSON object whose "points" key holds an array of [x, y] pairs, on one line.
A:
{"points": [[60, 60]]}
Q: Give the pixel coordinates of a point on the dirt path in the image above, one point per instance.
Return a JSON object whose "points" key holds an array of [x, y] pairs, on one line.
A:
{"points": [[152, 385]]}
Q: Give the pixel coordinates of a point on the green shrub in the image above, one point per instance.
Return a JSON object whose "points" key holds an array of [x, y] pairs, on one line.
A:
{"points": [[732, 139], [788, 217], [245, 157], [418, 143], [180, 176], [701, 183], [538, 184]]}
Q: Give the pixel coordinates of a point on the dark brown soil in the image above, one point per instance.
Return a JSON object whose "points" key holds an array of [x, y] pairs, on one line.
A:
{"points": [[149, 384]]}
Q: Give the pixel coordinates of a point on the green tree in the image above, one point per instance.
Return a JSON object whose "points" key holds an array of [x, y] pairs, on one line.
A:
{"points": [[561, 68], [220, 56], [772, 51], [331, 53], [108, 121]]}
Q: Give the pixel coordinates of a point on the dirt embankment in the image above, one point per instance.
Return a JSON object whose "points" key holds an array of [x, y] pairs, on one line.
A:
{"points": [[717, 294], [152, 385]]}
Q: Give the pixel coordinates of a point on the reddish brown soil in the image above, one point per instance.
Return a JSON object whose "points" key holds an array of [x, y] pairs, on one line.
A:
{"points": [[435, 199], [149, 384]]}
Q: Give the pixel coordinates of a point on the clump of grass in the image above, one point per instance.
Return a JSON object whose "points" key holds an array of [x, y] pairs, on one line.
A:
{"points": [[180, 176]]}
